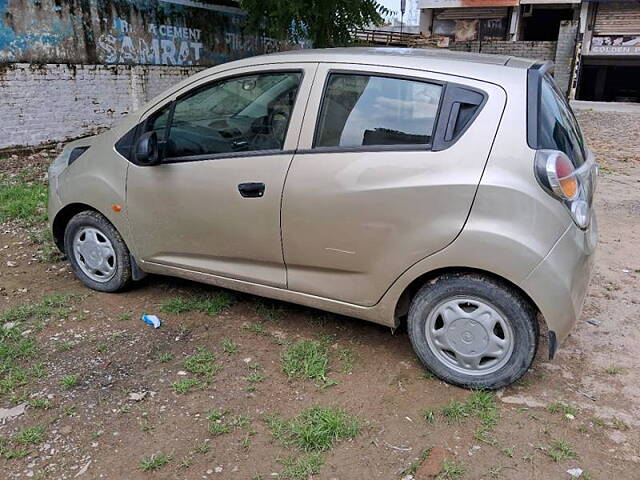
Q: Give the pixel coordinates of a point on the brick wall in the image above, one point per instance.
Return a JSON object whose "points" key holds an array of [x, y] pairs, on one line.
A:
{"points": [[527, 49], [54, 102]]}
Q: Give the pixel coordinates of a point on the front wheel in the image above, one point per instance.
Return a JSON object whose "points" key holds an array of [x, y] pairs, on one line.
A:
{"points": [[98, 255], [473, 331]]}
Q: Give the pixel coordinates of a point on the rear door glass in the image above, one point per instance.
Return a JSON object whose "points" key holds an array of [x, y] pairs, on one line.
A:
{"points": [[558, 128], [365, 110]]}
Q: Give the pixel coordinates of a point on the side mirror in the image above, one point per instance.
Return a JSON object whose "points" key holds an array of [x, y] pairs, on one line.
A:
{"points": [[146, 149]]}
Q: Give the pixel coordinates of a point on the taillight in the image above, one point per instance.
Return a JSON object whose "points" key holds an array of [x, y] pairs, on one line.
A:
{"points": [[557, 174], [561, 175]]}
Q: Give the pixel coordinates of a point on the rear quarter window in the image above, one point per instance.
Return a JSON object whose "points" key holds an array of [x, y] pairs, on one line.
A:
{"points": [[557, 127]]}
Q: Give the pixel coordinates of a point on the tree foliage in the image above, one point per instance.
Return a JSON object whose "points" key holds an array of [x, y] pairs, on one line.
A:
{"points": [[324, 23]]}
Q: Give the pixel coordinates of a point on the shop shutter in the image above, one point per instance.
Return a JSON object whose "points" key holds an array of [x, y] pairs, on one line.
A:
{"points": [[617, 18], [471, 13]]}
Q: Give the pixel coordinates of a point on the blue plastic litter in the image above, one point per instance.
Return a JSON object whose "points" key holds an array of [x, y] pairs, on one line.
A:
{"points": [[152, 320]]}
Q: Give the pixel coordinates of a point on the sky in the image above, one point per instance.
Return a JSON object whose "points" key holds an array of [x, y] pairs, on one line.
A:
{"points": [[395, 6]]}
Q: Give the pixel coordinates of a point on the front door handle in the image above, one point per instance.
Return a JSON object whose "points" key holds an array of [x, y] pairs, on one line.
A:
{"points": [[251, 189]]}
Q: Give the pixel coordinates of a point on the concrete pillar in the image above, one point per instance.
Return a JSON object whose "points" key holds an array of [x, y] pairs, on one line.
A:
{"points": [[514, 24], [565, 52], [426, 19]]}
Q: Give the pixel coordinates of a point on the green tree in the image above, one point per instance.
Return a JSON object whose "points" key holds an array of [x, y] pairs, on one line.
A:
{"points": [[325, 23]]}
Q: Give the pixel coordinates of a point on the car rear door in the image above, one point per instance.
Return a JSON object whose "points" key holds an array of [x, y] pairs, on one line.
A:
{"points": [[386, 172], [213, 204]]}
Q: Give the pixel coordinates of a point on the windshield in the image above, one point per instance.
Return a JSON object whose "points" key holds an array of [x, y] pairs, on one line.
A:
{"points": [[558, 128]]}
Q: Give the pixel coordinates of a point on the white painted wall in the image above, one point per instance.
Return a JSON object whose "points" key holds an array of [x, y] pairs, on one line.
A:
{"points": [[55, 102]]}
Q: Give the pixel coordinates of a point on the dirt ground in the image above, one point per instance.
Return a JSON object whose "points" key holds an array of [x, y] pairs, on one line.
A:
{"points": [[588, 397]]}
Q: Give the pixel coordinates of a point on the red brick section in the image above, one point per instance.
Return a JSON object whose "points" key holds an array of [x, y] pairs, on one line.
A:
{"points": [[433, 464]]}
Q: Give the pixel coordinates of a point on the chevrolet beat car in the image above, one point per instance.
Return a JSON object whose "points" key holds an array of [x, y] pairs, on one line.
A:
{"points": [[451, 191]]}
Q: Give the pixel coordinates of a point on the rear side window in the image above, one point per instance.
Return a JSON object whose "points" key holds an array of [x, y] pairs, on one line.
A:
{"points": [[366, 110], [558, 128]]}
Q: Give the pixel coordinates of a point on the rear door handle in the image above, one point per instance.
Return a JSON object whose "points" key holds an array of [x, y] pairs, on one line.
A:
{"points": [[251, 189]]}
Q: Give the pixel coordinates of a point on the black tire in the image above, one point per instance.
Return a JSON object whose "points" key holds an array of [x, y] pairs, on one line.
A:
{"points": [[121, 279], [511, 304]]}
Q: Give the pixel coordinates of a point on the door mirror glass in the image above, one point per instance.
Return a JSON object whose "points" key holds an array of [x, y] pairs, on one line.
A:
{"points": [[147, 149]]}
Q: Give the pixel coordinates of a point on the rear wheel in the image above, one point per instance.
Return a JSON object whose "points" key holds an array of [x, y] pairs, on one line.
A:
{"points": [[97, 253], [473, 331]]}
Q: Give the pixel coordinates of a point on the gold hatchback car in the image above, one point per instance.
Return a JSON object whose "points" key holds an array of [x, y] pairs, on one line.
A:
{"points": [[453, 191]]}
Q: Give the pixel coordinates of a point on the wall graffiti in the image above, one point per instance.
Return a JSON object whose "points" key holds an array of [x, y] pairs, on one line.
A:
{"points": [[145, 32]]}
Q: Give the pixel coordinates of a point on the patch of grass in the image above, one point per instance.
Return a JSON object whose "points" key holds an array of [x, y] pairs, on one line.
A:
{"points": [[70, 411], [43, 403], [185, 385], [452, 470], [316, 429], [69, 381], [229, 347], [560, 449], [301, 468], [455, 412], [102, 347], [613, 370], [24, 202], [65, 346], [255, 327], [212, 304], [13, 453], [508, 451], [203, 447], [597, 421], [202, 363], [429, 415], [427, 375], [618, 424], [306, 359], [55, 305], [220, 423], [255, 377], [269, 311], [413, 468], [30, 436], [47, 252], [165, 357], [347, 357], [562, 408], [480, 404], [154, 462]]}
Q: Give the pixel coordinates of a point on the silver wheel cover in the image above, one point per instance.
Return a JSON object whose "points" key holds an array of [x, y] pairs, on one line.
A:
{"points": [[95, 254], [469, 335]]}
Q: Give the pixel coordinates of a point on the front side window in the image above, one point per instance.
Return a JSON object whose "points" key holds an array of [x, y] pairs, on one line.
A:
{"points": [[248, 113], [367, 110]]}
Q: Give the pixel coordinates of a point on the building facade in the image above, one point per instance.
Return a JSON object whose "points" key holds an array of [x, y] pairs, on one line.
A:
{"points": [[594, 44]]}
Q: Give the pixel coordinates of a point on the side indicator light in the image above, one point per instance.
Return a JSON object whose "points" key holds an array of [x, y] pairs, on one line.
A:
{"points": [[116, 208]]}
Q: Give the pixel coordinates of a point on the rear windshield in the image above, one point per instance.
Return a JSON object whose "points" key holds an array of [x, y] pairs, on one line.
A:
{"points": [[557, 126]]}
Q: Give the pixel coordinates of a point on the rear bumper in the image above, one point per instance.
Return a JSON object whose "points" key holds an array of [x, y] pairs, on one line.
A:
{"points": [[558, 285]]}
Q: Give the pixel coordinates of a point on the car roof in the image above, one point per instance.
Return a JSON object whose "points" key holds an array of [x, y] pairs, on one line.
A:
{"points": [[499, 69], [353, 54], [473, 65]]}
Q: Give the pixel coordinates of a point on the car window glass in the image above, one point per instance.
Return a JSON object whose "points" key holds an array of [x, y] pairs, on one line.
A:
{"points": [[363, 110], [242, 114], [558, 128]]}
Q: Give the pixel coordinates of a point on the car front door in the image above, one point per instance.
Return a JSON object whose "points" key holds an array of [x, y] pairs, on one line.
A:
{"points": [[213, 204], [388, 164]]}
